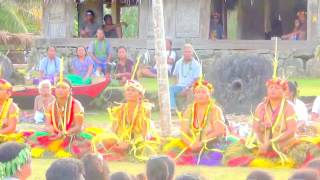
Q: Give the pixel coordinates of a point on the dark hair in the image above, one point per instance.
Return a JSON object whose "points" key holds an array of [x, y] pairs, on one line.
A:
{"points": [[49, 47], [305, 174], [66, 81], [91, 163], [157, 169], [259, 175], [293, 88], [141, 176], [107, 16], [90, 12], [10, 150], [171, 166], [85, 49], [122, 47], [188, 177], [65, 169], [314, 164], [100, 29], [120, 176]]}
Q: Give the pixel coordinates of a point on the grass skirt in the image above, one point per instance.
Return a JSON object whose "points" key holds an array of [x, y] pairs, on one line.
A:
{"points": [[43, 143], [211, 154], [139, 149], [297, 154]]}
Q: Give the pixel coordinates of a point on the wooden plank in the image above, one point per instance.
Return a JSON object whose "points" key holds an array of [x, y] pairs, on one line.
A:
{"points": [[312, 20], [143, 19], [205, 8], [178, 44]]}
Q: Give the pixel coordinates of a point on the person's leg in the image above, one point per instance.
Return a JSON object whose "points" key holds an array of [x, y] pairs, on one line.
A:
{"points": [[104, 69], [174, 90]]}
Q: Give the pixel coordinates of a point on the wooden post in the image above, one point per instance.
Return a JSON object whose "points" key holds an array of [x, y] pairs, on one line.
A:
{"points": [[58, 19], [115, 11], [161, 60], [312, 20]]}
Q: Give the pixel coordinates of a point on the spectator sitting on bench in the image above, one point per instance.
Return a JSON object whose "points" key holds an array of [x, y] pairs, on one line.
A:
{"points": [[187, 70], [171, 58], [124, 66], [82, 68]]}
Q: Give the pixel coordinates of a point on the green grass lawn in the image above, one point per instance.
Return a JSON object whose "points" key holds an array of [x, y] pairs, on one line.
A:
{"points": [[309, 87], [40, 166]]}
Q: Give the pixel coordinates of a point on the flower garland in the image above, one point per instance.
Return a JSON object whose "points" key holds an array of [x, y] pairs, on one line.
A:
{"points": [[10, 168], [66, 118], [4, 110]]}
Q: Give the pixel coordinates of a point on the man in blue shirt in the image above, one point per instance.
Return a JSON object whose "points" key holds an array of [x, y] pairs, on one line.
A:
{"points": [[100, 52], [187, 70], [49, 66]]}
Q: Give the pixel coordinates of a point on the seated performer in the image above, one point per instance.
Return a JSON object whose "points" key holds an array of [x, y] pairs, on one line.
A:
{"points": [[275, 118], [273, 142], [63, 134], [203, 129], [130, 126], [9, 115]]}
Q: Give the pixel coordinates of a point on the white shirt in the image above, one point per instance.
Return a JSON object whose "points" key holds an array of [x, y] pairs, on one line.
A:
{"points": [[316, 105], [171, 56], [301, 110]]}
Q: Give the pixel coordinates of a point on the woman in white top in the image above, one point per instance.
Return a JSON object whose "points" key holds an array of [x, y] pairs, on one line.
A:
{"points": [[299, 106], [315, 115], [171, 58]]}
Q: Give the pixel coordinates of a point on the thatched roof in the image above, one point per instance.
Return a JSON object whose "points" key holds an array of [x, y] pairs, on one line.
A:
{"points": [[7, 38]]}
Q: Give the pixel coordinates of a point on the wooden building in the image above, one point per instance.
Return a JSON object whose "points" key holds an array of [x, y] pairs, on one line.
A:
{"points": [[188, 21]]}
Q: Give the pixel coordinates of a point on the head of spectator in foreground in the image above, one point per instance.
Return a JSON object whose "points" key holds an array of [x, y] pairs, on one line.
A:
{"points": [[45, 88], [314, 164], [95, 167], [157, 169], [189, 177], [305, 174], [66, 169], [259, 175], [15, 161], [171, 166], [120, 176]]}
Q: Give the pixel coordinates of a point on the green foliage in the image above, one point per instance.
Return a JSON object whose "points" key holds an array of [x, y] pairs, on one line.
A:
{"points": [[21, 16], [130, 16], [10, 21]]}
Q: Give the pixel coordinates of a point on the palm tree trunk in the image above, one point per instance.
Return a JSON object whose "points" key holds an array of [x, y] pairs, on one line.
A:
{"points": [[161, 60]]}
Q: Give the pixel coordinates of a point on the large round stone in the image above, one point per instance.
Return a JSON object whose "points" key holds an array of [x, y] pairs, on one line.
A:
{"points": [[239, 81]]}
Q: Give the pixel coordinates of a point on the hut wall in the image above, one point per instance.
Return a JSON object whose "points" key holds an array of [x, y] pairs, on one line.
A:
{"points": [[58, 19], [183, 19], [313, 19]]}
